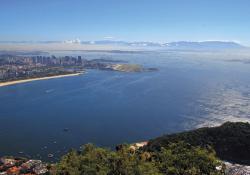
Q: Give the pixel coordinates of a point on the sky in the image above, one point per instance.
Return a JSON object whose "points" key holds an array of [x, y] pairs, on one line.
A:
{"points": [[129, 20]]}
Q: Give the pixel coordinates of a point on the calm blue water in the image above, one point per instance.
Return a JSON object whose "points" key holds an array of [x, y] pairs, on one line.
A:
{"points": [[108, 108]]}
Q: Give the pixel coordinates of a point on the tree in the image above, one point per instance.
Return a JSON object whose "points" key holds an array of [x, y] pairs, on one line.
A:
{"points": [[176, 159]]}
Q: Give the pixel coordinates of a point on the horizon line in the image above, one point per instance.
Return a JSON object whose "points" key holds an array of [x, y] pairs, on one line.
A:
{"points": [[77, 40]]}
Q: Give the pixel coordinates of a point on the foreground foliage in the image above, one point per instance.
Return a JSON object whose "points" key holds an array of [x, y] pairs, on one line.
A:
{"points": [[174, 159], [231, 141]]}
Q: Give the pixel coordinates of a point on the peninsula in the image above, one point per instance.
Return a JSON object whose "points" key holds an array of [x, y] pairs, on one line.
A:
{"points": [[15, 69]]}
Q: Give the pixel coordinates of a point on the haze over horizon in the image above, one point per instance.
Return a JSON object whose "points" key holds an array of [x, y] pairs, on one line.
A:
{"points": [[155, 21]]}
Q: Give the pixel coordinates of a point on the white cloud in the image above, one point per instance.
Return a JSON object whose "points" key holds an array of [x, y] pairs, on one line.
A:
{"points": [[74, 41], [108, 37]]}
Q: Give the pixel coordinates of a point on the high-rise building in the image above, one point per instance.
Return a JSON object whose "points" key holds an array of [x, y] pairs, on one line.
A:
{"points": [[79, 60]]}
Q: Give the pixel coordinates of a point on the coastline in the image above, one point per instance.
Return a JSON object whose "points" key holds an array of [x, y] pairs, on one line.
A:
{"points": [[37, 79]]}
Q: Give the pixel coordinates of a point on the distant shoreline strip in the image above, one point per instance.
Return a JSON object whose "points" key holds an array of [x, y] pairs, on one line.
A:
{"points": [[37, 79]]}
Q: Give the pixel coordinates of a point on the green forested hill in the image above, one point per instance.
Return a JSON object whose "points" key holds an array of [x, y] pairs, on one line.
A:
{"points": [[231, 141], [189, 153], [175, 159]]}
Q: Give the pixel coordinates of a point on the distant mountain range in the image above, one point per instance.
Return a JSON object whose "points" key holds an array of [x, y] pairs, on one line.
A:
{"points": [[204, 45], [180, 45], [185, 45]]}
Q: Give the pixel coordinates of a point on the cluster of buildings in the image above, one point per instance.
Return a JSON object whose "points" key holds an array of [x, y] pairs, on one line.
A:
{"points": [[40, 60], [57, 61], [17, 67], [21, 166]]}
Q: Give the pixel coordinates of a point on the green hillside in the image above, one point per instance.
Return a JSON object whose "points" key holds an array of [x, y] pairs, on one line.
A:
{"points": [[231, 141]]}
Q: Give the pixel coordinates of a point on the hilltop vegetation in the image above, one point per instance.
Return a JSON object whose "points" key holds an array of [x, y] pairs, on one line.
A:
{"points": [[231, 141], [175, 159]]}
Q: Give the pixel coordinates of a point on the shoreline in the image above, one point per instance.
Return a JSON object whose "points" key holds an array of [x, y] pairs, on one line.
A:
{"points": [[37, 79]]}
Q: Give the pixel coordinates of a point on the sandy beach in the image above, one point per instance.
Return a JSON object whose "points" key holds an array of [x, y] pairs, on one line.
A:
{"points": [[36, 79]]}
